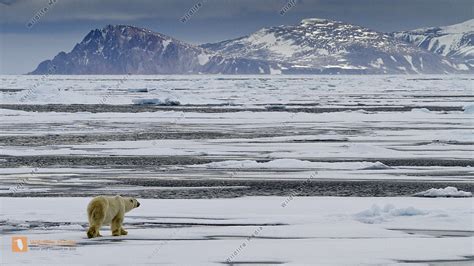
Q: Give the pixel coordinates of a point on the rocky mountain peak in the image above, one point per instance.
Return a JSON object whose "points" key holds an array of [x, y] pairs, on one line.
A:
{"points": [[313, 46]]}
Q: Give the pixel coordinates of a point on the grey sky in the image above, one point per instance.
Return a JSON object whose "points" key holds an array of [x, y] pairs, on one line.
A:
{"points": [[66, 22]]}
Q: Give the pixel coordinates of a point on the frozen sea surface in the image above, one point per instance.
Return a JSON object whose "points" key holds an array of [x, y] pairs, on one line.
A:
{"points": [[246, 231], [220, 165], [229, 136]]}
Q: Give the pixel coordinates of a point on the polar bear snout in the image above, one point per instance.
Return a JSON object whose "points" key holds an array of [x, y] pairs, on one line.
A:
{"points": [[138, 204]]}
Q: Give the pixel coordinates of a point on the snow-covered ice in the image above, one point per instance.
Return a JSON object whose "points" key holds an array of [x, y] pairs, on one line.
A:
{"points": [[213, 146], [411, 128], [303, 231], [378, 214], [155, 101], [469, 109], [323, 91], [444, 192]]}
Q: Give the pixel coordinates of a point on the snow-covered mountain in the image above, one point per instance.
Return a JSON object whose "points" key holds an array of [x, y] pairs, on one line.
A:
{"points": [[455, 41], [326, 46], [314, 46], [125, 49]]}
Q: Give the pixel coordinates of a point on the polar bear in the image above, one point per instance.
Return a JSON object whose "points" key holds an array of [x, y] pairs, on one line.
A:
{"points": [[109, 210]]}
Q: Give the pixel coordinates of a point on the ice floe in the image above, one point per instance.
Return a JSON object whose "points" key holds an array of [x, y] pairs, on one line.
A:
{"points": [[378, 214], [443, 192]]}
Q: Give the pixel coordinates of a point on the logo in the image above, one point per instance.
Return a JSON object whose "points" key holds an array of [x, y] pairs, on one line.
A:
{"points": [[19, 244]]}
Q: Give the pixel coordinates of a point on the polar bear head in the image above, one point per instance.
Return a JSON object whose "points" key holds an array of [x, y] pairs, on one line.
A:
{"points": [[130, 203]]}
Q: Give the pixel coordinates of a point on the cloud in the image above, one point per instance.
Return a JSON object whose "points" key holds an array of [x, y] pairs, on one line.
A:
{"points": [[68, 21], [8, 2], [21, 10]]}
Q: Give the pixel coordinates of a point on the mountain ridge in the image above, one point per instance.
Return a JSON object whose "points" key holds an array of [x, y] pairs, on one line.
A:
{"points": [[314, 46], [455, 41], [123, 49]]}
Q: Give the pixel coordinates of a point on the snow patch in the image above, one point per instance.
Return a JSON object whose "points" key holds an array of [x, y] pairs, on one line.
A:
{"points": [[377, 63], [376, 214], [274, 71], [165, 44], [203, 59], [293, 163], [345, 66], [409, 59], [375, 166], [279, 163], [462, 67], [443, 192], [420, 110], [469, 109], [322, 51], [314, 21]]}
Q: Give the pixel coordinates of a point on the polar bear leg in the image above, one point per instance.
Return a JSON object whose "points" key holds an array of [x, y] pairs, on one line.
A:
{"points": [[93, 232], [116, 225], [96, 218]]}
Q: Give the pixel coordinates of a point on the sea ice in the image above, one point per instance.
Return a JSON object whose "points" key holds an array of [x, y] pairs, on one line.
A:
{"points": [[444, 192], [156, 101], [378, 214]]}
